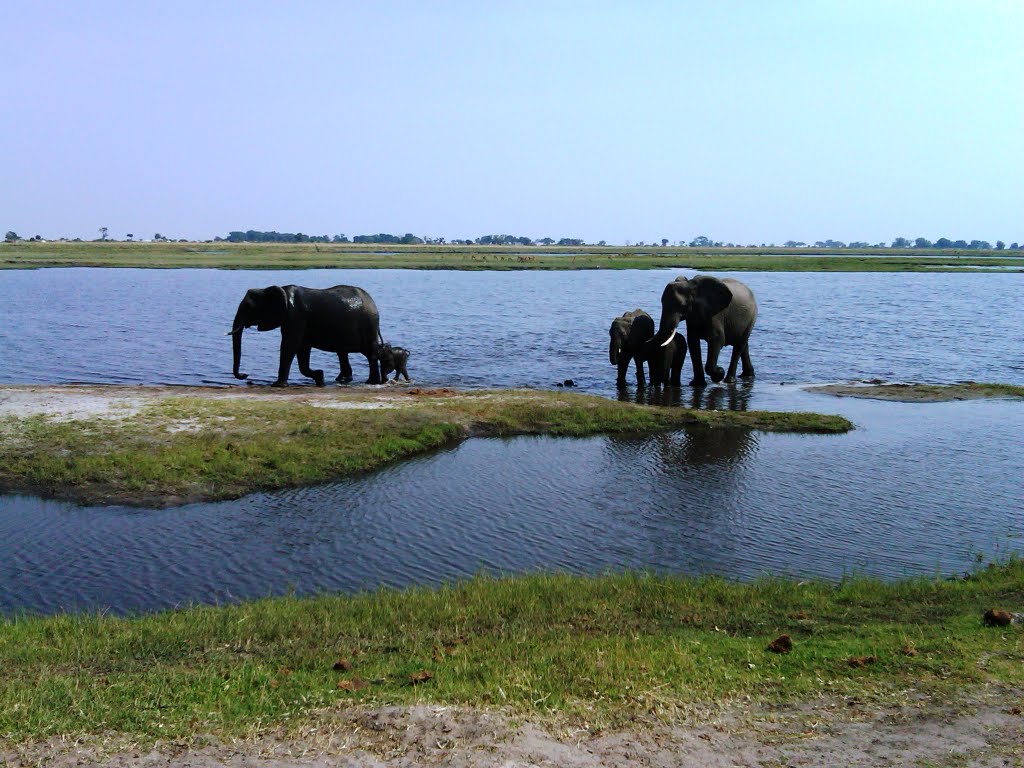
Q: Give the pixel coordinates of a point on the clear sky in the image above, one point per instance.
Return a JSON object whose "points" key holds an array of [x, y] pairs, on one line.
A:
{"points": [[743, 121]]}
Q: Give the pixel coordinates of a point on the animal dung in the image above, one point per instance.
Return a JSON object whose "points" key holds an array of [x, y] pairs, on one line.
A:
{"points": [[996, 618], [781, 644]]}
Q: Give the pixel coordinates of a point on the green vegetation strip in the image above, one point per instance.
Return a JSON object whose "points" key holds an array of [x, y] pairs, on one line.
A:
{"points": [[30, 255], [188, 448], [601, 651]]}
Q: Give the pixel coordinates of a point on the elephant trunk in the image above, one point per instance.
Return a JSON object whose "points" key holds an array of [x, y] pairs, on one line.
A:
{"points": [[236, 346], [613, 352]]}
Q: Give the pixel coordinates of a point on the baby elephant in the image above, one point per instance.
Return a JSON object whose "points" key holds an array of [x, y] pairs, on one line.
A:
{"points": [[393, 359]]}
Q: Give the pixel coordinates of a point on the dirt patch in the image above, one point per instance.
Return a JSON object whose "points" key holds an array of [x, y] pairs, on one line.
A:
{"points": [[848, 733], [920, 393], [82, 402]]}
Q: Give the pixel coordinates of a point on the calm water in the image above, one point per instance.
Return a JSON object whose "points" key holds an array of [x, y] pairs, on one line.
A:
{"points": [[915, 489], [504, 328]]}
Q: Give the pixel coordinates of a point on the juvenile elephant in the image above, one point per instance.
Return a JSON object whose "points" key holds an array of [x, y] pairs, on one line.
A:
{"points": [[628, 333], [341, 319], [665, 363], [721, 312], [393, 359]]}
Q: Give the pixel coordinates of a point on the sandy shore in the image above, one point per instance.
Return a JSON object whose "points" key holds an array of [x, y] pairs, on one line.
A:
{"points": [[976, 732]]}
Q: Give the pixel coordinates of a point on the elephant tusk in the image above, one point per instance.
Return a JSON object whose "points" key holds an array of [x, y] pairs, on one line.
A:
{"points": [[669, 339], [233, 331]]}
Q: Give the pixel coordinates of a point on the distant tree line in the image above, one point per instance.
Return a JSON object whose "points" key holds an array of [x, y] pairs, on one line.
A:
{"points": [[256, 236]]}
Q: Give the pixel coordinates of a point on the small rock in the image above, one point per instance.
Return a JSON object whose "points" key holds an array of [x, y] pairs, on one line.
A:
{"points": [[781, 644]]}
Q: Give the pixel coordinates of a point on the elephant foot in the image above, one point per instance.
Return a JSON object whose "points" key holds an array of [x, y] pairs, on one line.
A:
{"points": [[343, 379], [729, 379], [747, 375], [280, 383], [701, 382]]}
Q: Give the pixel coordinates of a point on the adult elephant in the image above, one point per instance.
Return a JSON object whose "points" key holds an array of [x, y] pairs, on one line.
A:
{"points": [[720, 312], [341, 319], [629, 332]]}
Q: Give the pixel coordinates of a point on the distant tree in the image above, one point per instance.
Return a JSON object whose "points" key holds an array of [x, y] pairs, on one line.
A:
{"points": [[700, 242], [546, 241], [11, 236], [960, 244], [130, 236], [922, 242], [794, 244], [602, 242], [103, 233], [1014, 246], [664, 242], [1000, 245], [410, 239], [900, 242], [861, 244], [943, 242], [980, 245], [570, 241]]}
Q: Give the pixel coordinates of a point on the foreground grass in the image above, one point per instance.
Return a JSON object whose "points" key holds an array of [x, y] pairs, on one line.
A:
{"points": [[31, 255], [595, 651], [205, 446]]}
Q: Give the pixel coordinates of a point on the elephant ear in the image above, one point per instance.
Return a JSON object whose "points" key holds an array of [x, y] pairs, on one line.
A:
{"points": [[711, 296], [273, 308]]}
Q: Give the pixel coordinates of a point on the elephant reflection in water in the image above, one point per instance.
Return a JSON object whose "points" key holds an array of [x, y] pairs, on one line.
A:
{"points": [[734, 397]]}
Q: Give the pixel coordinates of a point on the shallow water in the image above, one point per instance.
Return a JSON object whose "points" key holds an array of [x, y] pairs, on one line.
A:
{"points": [[915, 489]]}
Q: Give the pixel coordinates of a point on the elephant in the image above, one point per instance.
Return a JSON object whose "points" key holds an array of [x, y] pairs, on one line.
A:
{"points": [[628, 333], [340, 319], [393, 359], [721, 312], [664, 362]]}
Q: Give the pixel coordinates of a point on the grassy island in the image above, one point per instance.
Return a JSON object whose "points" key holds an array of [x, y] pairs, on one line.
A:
{"points": [[33, 255], [923, 393], [168, 445]]}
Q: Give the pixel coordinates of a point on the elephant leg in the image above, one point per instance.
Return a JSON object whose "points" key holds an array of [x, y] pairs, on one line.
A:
{"points": [[374, 361], [623, 367], [305, 370], [346, 368], [714, 370], [734, 360], [677, 366], [693, 342], [640, 382], [285, 365], [748, 367]]}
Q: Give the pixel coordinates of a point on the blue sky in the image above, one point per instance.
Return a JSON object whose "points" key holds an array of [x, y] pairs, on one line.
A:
{"points": [[744, 121]]}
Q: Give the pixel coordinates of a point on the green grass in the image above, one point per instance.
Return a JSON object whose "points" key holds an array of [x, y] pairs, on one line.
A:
{"points": [[29, 255], [261, 441], [599, 650]]}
